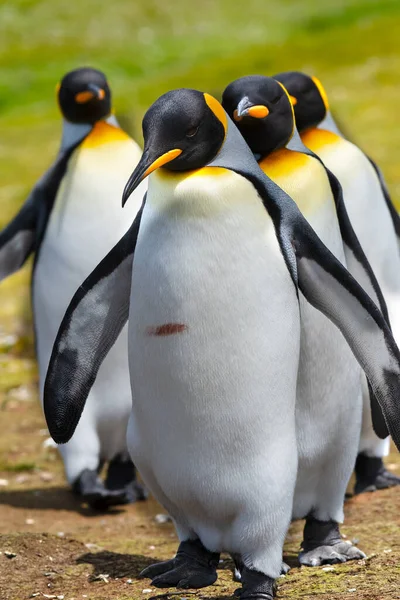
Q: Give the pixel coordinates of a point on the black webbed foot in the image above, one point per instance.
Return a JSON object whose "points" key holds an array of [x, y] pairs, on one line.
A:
{"points": [[323, 544], [121, 477], [255, 586], [371, 475], [91, 489], [193, 567]]}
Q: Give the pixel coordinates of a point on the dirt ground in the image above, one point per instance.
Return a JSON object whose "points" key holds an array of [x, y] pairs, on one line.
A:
{"points": [[53, 547]]}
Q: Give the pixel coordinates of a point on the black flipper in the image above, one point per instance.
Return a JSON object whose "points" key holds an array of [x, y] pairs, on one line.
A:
{"points": [[24, 234], [329, 287], [393, 212], [91, 325], [359, 266]]}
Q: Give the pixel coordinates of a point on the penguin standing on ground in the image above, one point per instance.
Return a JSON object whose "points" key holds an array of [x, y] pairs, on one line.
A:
{"points": [[70, 220], [377, 226], [328, 374], [209, 275]]}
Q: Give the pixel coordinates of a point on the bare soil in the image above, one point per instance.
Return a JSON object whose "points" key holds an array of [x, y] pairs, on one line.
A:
{"points": [[51, 546]]}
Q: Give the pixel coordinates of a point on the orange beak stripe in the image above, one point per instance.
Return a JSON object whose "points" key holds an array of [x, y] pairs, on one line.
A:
{"points": [[258, 112], [162, 160]]}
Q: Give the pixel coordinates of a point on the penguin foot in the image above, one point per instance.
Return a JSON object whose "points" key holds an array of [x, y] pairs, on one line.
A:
{"points": [[322, 544], [237, 573], [255, 586], [121, 477], [90, 488], [371, 475], [193, 567]]}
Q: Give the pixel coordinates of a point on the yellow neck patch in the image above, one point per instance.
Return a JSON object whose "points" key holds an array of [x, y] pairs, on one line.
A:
{"points": [[104, 133], [217, 109], [289, 97], [316, 139], [322, 92]]}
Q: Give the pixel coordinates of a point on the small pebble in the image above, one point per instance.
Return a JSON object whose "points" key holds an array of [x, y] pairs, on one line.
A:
{"points": [[10, 554], [35, 594], [352, 590], [45, 476], [102, 577], [49, 443], [147, 591], [21, 478], [3, 482], [387, 551], [328, 569], [29, 521], [152, 547], [161, 519], [129, 581], [60, 534]]}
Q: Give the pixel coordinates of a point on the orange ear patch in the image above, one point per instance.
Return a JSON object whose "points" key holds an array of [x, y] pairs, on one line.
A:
{"points": [[217, 109], [293, 100]]}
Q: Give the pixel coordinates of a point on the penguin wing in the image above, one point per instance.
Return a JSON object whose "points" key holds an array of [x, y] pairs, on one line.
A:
{"points": [[393, 212], [91, 325], [330, 288], [24, 234]]}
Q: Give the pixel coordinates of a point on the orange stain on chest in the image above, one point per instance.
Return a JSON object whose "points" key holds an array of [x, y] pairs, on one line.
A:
{"points": [[104, 133], [166, 329]]}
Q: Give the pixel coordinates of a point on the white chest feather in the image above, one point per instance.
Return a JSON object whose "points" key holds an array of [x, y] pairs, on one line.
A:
{"points": [[213, 334]]}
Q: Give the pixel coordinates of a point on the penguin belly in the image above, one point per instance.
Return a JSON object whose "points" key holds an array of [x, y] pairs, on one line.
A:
{"points": [[370, 217], [85, 223], [213, 347], [328, 407]]}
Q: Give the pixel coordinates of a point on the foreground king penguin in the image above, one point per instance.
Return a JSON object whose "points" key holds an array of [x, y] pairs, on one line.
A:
{"points": [[72, 218], [329, 376], [209, 275], [376, 224]]}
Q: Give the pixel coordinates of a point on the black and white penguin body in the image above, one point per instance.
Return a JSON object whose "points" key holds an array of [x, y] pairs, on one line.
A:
{"points": [[72, 218], [376, 225], [329, 375], [209, 275]]}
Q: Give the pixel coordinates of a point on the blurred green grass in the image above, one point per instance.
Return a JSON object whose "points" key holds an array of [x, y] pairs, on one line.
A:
{"points": [[148, 47]]}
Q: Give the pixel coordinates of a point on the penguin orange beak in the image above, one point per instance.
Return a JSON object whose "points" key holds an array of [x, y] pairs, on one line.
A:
{"points": [[147, 165], [93, 91], [246, 109]]}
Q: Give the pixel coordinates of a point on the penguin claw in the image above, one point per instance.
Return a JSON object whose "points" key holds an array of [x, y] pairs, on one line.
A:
{"points": [[193, 567], [331, 555]]}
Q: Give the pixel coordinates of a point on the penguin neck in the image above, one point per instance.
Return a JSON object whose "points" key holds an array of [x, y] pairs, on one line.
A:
{"points": [[329, 124], [74, 133], [295, 143]]}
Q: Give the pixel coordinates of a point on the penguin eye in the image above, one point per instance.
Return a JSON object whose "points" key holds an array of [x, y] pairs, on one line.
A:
{"points": [[192, 131]]}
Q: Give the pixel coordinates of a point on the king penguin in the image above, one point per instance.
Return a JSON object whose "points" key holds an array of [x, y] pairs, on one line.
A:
{"points": [[209, 275], [328, 375], [377, 226], [70, 220]]}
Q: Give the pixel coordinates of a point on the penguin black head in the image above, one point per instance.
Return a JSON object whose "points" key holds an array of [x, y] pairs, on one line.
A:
{"points": [[84, 96], [262, 111], [308, 97], [183, 130]]}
